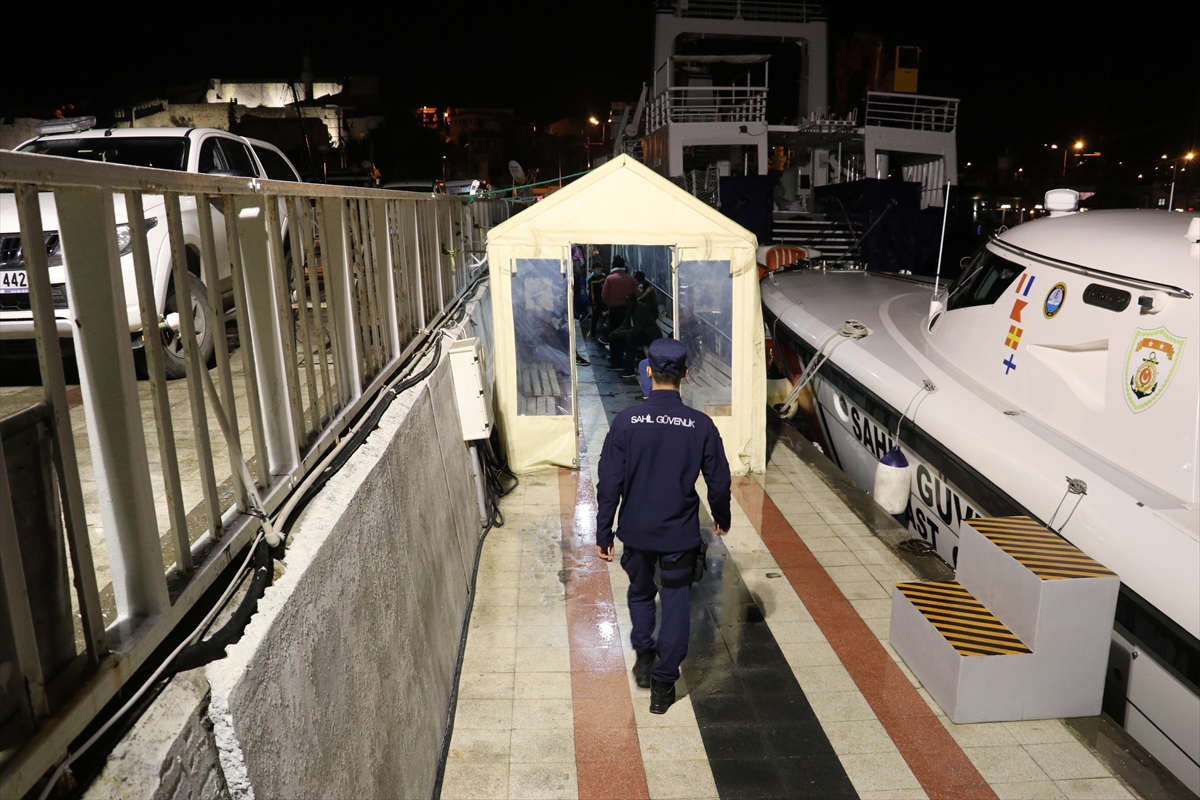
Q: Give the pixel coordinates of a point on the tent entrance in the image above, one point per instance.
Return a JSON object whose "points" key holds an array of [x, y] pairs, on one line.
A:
{"points": [[692, 301], [700, 267]]}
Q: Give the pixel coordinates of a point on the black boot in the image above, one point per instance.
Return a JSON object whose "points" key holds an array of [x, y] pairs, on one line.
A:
{"points": [[662, 695], [641, 669]]}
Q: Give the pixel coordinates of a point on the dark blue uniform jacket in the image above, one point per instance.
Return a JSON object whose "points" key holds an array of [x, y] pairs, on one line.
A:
{"points": [[651, 458]]}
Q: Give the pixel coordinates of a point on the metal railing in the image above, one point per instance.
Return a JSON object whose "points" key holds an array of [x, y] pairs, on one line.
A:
{"points": [[333, 288], [753, 10], [916, 112], [819, 122], [707, 104], [703, 184]]}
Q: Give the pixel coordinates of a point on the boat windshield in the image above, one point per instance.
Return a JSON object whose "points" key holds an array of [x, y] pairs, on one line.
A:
{"points": [[982, 281]]}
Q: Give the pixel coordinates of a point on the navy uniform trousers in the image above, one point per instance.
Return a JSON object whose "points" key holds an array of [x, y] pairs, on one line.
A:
{"points": [[676, 570]]}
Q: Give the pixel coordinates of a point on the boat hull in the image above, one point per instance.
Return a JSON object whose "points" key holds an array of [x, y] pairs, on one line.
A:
{"points": [[852, 412]]}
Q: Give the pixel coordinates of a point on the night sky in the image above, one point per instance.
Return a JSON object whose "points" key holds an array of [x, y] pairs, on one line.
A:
{"points": [[1126, 80]]}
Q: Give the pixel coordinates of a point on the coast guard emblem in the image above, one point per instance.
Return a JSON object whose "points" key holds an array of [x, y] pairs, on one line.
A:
{"points": [[1055, 300], [1149, 366]]}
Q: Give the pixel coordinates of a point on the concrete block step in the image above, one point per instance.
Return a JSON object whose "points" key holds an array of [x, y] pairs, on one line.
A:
{"points": [[1030, 577], [1037, 609], [968, 661], [966, 624], [1039, 549]]}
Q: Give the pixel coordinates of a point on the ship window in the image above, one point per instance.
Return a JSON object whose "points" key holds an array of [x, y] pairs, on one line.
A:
{"points": [[982, 281]]}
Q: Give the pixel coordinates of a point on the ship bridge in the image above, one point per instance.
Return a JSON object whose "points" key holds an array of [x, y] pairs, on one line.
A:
{"points": [[737, 112], [309, 569]]}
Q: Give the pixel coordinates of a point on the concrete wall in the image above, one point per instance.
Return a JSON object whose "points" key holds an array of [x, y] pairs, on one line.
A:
{"points": [[341, 685], [170, 754]]}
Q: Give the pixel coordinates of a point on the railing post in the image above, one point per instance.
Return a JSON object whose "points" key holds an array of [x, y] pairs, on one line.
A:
{"points": [[385, 263], [370, 277], [246, 335], [279, 426], [195, 384], [114, 418], [152, 346], [338, 296], [419, 247], [66, 460], [300, 264], [212, 279], [16, 601], [415, 268], [281, 291]]}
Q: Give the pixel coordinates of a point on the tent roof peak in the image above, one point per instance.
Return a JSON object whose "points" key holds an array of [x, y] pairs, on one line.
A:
{"points": [[616, 181]]}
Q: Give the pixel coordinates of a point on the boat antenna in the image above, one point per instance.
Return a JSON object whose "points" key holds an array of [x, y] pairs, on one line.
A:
{"points": [[941, 247]]}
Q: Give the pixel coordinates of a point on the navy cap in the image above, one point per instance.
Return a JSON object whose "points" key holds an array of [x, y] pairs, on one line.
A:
{"points": [[667, 356]]}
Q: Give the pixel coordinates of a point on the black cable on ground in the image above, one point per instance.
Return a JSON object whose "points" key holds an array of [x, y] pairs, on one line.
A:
{"points": [[360, 436], [213, 648], [494, 470], [367, 428], [89, 765]]}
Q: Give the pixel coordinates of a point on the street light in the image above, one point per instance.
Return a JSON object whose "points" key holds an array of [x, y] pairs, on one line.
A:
{"points": [[588, 138], [1078, 147], [1174, 164]]}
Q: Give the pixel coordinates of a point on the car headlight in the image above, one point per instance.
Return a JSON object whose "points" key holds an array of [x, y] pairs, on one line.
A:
{"points": [[125, 236]]}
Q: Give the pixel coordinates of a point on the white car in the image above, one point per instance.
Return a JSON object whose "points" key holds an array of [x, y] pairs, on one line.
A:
{"points": [[198, 150]]}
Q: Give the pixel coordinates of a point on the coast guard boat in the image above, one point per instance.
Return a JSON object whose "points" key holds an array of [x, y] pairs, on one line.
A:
{"points": [[1059, 378]]}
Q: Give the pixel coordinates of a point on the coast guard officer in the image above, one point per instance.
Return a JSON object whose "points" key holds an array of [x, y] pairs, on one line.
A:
{"points": [[649, 464]]}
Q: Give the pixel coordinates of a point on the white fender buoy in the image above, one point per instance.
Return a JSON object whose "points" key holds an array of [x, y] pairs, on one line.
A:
{"points": [[892, 482]]}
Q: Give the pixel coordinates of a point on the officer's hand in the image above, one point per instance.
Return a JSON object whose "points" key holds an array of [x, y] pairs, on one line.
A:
{"points": [[605, 553], [717, 530]]}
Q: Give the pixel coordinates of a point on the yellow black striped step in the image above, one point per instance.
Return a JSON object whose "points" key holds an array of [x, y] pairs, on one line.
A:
{"points": [[958, 616], [1039, 549]]}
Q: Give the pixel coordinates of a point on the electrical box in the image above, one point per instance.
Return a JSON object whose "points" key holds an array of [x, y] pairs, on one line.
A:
{"points": [[466, 368]]}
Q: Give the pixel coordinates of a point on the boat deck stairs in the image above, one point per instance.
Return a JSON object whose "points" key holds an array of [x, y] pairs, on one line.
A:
{"points": [[1023, 633]]}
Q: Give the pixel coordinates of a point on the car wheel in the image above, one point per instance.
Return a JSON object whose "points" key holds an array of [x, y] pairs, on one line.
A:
{"points": [[174, 360]]}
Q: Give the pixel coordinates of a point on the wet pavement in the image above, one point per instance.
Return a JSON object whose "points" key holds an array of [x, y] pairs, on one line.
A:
{"points": [[790, 688]]}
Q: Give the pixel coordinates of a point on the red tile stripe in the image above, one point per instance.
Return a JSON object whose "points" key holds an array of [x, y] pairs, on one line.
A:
{"points": [[936, 760], [608, 756]]}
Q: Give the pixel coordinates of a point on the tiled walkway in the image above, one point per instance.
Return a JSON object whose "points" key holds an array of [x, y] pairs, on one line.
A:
{"points": [[789, 690]]}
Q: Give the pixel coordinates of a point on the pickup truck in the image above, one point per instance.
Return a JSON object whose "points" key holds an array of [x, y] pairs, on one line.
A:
{"points": [[197, 150]]}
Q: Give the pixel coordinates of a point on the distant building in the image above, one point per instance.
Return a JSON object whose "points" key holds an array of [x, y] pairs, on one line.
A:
{"points": [[324, 127], [226, 103]]}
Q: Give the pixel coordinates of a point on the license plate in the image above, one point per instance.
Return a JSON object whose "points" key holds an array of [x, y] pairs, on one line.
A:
{"points": [[13, 281]]}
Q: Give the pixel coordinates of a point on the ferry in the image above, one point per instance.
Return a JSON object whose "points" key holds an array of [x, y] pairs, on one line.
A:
{"points": [[1057, 378]]}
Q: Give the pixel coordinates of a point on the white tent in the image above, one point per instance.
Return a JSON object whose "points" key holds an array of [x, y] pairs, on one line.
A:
{"points": [[714, 308]]}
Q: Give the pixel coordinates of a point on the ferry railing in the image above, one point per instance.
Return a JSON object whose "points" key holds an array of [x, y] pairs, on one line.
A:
{"points": [[818, 122], [707, 104], [754, 10], [916, 112], [333, 289]]}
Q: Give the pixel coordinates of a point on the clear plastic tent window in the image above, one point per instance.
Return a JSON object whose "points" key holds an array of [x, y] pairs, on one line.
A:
{"points": [[705, 325], [543, 339]]}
